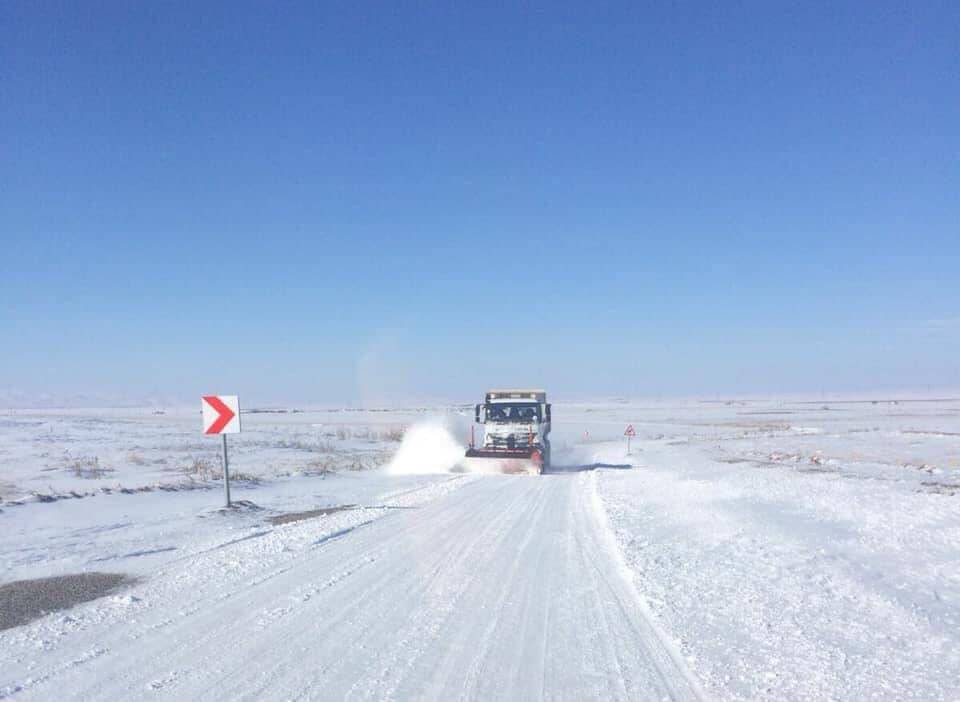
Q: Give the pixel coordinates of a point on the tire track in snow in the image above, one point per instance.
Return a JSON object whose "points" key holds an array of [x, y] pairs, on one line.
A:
{"points": [[506, 587]]}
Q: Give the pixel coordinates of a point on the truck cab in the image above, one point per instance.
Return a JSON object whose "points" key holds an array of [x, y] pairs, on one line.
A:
{"points": [[516, 425]]}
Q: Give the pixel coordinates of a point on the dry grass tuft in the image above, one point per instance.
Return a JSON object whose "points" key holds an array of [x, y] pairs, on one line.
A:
{"points": [[203, 469], [393, 434], [87, 467]]}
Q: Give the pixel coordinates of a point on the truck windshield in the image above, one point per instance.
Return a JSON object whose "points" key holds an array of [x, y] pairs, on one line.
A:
{"points": [[526, 412]]}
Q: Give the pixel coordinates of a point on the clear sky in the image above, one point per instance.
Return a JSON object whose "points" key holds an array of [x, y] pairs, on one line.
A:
{"points": [[376, 202]]}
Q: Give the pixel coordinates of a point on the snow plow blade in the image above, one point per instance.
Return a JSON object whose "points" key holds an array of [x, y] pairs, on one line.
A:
{"points": [[511, 461]]}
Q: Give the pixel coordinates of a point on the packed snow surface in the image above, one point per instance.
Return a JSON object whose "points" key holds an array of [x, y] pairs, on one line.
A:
{"points": [[755, 550]]}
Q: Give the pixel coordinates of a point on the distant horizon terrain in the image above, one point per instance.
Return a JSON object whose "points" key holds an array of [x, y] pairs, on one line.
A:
{"points": [[80, 403]]}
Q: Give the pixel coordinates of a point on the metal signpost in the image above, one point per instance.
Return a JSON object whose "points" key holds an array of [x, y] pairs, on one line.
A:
{"points": [[629, 432], [221, 415]]}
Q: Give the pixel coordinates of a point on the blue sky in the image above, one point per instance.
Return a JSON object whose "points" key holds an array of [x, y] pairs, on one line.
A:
{"points": [[339, 202]]}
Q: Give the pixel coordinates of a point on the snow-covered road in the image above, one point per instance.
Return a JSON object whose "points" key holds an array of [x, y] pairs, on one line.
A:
{"points": [[508, 586]]}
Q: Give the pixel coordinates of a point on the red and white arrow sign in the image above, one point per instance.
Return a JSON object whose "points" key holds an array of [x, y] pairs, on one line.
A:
{"points": [[221, 414]]}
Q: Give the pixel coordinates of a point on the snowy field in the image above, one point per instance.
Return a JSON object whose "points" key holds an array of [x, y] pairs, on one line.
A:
{"points": [[47, 455], [750, 550], [801, 552]]}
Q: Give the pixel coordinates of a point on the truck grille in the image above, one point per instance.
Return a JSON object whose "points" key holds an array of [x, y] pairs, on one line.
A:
{"points": [[510, 441]]}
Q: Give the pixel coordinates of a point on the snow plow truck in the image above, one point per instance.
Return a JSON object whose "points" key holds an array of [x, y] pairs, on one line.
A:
{"points": [[516, 427]]}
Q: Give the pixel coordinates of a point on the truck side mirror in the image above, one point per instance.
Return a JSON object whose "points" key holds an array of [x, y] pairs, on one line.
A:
{"points": [[547, 414], [476, 413]]}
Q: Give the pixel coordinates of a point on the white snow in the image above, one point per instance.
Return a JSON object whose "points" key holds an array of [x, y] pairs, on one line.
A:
{"points": [[756, 550], [811, 564], [427, 447]]}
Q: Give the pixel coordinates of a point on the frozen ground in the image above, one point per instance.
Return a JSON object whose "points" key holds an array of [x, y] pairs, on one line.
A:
{"points": [[741, 551], [44, 455], [801, 552]]}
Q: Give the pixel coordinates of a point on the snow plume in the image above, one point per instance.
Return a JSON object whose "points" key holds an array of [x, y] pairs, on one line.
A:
{"points": [[428, 447]]}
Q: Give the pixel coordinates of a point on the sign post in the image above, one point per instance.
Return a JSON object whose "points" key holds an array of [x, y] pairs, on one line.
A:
{"points": [[226, 469], [221, 415], [629, 432]]}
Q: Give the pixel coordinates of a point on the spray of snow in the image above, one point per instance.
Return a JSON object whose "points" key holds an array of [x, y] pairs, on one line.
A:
{"points": [[427, 447], [431, 447]]}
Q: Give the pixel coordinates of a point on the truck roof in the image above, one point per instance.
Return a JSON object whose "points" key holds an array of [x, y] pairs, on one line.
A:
{"points": [[516, 394]]}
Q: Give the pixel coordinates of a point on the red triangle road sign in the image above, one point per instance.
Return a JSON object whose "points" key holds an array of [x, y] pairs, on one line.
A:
{"points": [[629, 431]]}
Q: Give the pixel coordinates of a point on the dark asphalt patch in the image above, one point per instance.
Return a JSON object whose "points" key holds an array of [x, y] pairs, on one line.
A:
{"points": [[555, 469], [23, 601], [288, 517]]}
